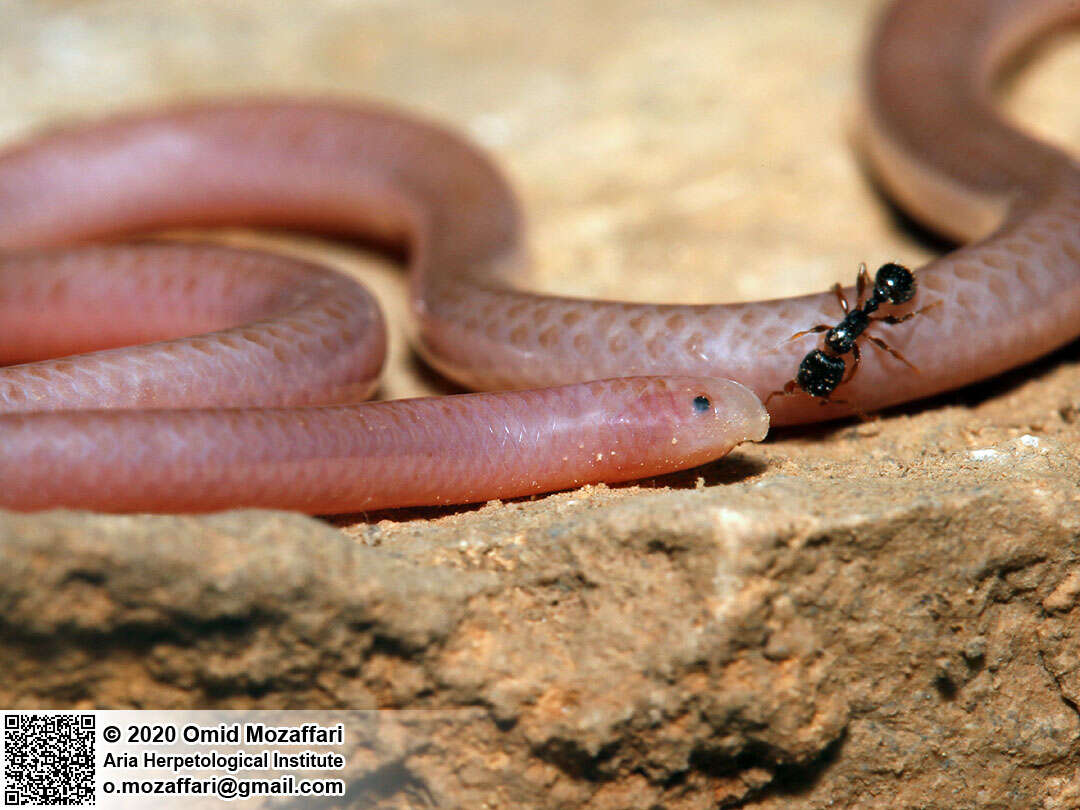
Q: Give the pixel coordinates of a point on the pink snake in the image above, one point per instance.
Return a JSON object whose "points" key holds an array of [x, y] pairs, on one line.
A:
{"points": [[238, 416]]}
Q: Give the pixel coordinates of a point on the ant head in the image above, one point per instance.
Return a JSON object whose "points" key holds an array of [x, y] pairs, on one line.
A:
{"points": [[894, 283], [820, 373]]}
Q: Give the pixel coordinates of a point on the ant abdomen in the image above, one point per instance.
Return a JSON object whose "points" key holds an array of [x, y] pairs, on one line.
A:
{"points": [[894, 283]]}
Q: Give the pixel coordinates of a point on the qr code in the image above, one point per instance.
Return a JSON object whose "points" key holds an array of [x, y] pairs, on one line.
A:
{"points": [[50, 759]]}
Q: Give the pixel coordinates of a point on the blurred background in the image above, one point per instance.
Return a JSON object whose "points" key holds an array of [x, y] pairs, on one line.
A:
{"points": [[681, 151]]}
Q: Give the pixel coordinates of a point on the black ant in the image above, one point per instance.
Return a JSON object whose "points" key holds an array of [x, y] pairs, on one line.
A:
{"points": [[822, 372]]}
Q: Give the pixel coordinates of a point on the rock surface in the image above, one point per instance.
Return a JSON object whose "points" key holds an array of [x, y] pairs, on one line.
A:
{"points": [[880, 615]]}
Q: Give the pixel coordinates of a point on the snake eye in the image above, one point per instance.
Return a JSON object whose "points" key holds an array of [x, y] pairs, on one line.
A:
{"points": [[702, 404]]}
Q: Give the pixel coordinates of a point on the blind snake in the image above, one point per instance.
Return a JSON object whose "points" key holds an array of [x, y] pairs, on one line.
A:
{"points": [[232, 416]]}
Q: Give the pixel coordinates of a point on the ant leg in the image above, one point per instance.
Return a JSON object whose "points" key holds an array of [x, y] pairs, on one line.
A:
{"points": [[838, 289], [881, 344], [789, 388], [859, 412], [856, 356], [861, 284], [821, 327], [894, 319], [863, 416]]}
